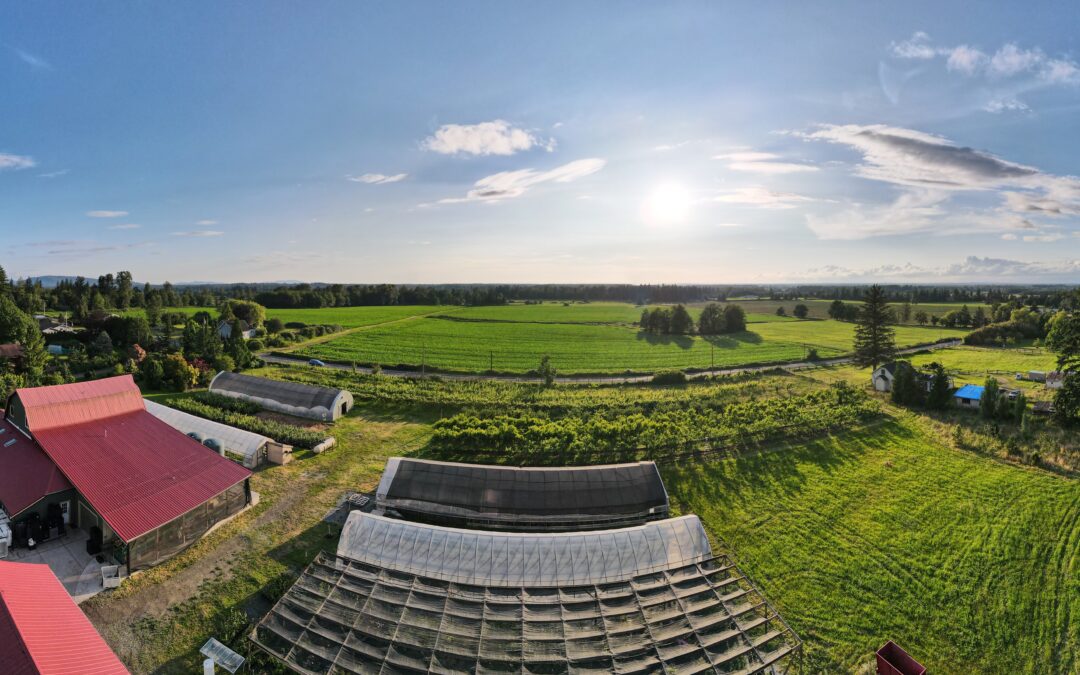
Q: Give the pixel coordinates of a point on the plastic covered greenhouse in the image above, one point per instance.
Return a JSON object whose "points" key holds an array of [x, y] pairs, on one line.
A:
{"points": [[522, 499], [244, 446], [409, 597]]}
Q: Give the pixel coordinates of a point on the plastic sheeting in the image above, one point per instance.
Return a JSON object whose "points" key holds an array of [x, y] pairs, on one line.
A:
{"points": [[291, 398], [522, 559], [523, 499], [246, 444]]}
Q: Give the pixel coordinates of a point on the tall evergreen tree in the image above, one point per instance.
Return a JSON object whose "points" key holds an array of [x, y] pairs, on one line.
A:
{"points": [[874, 339]]}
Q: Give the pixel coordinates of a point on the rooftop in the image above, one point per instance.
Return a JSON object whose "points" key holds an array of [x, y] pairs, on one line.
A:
{"points": [[971, 392]]}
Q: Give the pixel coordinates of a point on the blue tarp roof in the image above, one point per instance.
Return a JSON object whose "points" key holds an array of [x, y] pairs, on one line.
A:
{"points": [[973, 392]]}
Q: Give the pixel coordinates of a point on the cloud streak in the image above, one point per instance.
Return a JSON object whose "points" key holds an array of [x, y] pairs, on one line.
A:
{"points": [[762, 197], [15, 162], [511, 184], [972, 268], [1009, 61], [762, 162], [198, 233], [497, 137], [377, 178], [107, 214]]}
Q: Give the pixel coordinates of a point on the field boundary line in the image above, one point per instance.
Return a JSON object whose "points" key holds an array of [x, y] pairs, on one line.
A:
{"points": [[348, 331]]}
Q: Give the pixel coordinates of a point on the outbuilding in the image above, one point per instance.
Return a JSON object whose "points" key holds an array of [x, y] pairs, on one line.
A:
{"points": [[43, 631], [325, 404], [969, 396], [143, 490]]}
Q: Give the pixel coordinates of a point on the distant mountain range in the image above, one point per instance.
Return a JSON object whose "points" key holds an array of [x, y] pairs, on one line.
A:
{"points": [[54, 280]]}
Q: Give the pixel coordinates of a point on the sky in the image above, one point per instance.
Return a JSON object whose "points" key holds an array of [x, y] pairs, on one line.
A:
{"points": [[615, 142]]}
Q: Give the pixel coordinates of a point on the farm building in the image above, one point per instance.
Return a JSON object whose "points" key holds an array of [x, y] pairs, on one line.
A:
{"points": [[968, 396], [225, 329], [143, 489], [511, 498], [291, 398], [248, 448], [12, 351], [885, 375], [412, 597], [1055, 379], [43, 631]]}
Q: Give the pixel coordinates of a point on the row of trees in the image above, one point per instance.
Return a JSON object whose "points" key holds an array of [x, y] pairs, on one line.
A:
{"points": [[715, 319]]}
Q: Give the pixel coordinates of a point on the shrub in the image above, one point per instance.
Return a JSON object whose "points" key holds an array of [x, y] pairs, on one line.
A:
{"points": [[255, 345], [279, 431], [669, 377]]}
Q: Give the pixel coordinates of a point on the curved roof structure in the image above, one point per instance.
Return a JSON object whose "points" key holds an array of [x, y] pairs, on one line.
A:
{"points": [[523, 559], [291, 398], [244, 443], [674, 608], [512, 498]]}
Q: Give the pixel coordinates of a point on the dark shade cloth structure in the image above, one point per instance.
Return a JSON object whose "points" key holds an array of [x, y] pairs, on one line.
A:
{"points": [[291, 398], [152, 487], [43, 631], [522, 499], [412, 597]]}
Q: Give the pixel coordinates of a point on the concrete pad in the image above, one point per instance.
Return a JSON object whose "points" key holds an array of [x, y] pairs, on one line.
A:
{"points": [[66, 556]]}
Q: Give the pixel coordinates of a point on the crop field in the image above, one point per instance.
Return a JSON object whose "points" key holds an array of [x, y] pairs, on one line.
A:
{"points": [[593, 312], [888, 533], [347, 317], [819, 309], [512, 346]]}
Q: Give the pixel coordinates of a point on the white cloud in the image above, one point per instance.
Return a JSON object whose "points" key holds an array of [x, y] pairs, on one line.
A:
{"points": [[32, 59], [509, 184], [206, 222], [1009, 236], [1045, 238], [761, 162], [1001, 105], [125, 226], [15, 162], [1009, 61], [106, 214], [762, 197], [377, 178], [54, 174], [199, 233], [497, 137]]}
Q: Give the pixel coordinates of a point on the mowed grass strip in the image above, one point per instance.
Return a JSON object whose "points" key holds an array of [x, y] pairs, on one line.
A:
{"points": [[888, 533], [476, 346]]}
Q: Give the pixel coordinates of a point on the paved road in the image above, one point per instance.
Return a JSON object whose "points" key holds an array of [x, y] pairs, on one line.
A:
{"points": [[596, 379]]}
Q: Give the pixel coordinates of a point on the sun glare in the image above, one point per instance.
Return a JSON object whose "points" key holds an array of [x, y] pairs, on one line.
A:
{"points": [[667, 204]]}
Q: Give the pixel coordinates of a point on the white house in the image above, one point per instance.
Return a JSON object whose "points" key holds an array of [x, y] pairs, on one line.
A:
{"points": [[225, 329]]}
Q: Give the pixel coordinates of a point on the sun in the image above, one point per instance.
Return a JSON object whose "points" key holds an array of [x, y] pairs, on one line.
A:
{"points": [[667, 204]]}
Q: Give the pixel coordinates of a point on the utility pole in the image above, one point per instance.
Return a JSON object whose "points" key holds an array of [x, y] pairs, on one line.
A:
{"points": [[712, 356], [423, 360], [491, 361]]}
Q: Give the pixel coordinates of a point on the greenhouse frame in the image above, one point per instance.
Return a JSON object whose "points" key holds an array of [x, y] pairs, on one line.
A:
{"points": [[324, 404], [413, 597], [239, 445], [522, 499]]}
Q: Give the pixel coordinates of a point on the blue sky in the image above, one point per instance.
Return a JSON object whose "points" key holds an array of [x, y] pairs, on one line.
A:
{"points": [[545, 142]]}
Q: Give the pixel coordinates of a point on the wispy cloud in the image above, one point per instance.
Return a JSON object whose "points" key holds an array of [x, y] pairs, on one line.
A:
{"points": [[107, 214], [125, 226], [1010, 104], [198, 233], [54, 174], [206, 222], [15, 162], [497, 137], [377, 178], [761, 162], [31, 59], [509, 184], [762, 197], [1010, 60], [929, 170]]}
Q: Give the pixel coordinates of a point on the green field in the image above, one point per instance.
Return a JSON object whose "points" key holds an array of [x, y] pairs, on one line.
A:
{"points": [[347, 317], [505, 344], [819, 309], [972, 565]]}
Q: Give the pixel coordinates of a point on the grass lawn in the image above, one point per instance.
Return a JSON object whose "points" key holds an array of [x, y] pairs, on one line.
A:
{"points": [[584, 347], [971, 565], [989, 360]]}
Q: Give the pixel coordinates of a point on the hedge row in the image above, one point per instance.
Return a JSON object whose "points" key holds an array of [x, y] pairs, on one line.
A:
{"points": [[279, 431]]}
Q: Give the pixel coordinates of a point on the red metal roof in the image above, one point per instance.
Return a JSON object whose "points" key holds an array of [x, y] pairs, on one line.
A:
{"points": [[43, 632], [26, 473], [135, 470], [65, 404]]}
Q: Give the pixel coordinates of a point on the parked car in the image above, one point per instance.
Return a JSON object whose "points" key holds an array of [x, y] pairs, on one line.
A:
{"points": [[315, 362]]}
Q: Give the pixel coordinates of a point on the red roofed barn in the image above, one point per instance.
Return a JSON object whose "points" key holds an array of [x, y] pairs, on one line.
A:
{"points": [[138, 481], [43, 631]]}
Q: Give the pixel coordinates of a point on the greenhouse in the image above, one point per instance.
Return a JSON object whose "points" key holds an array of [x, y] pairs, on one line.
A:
{"points": [[409, 597], [242, 446], [291, 398], [522, 499]]}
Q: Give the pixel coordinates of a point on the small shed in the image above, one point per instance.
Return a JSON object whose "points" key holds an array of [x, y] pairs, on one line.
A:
{"points": [[884, 377], [225, 329], [325, 404], [893, 660], [1055, 379], [969, 396], [242, 446]]}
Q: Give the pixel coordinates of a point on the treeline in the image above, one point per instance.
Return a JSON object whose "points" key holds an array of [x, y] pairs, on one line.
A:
{"points": [[715, 319]]}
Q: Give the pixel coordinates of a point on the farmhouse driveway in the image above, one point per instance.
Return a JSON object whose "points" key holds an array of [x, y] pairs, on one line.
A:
{"points": [[600, 379]]}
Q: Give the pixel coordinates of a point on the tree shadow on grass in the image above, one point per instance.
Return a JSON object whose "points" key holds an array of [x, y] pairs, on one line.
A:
{"points": [[733, 340], [681, 341]]}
